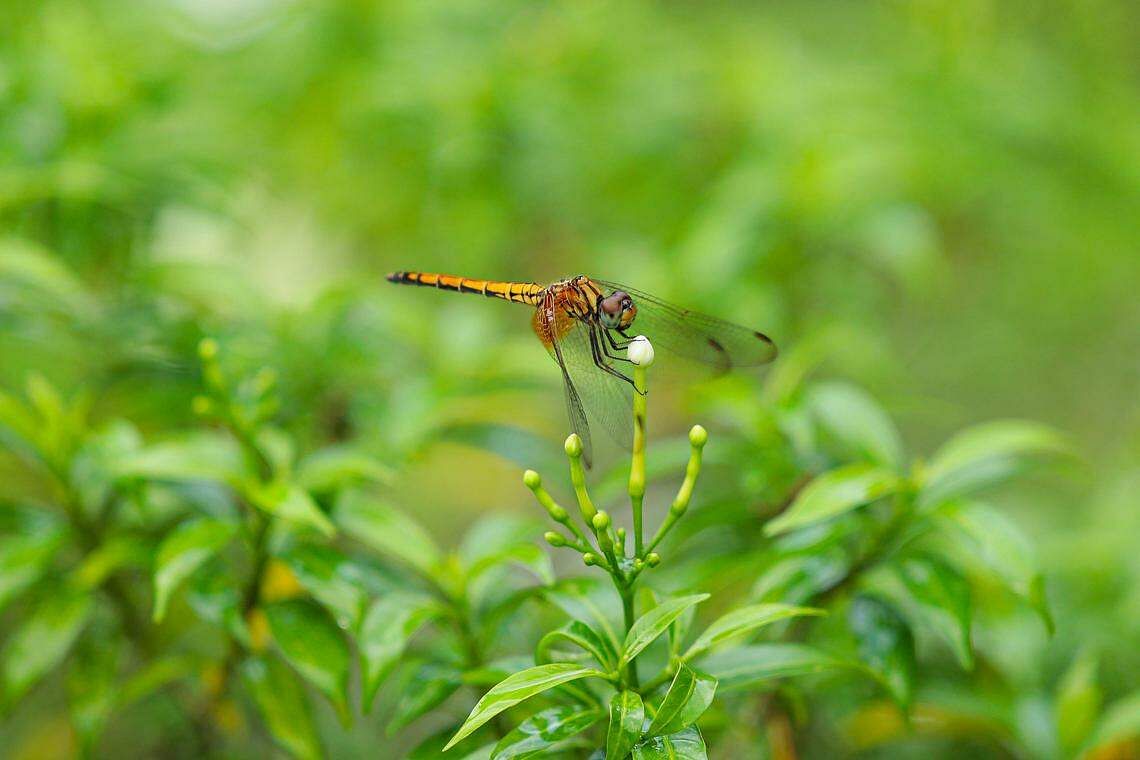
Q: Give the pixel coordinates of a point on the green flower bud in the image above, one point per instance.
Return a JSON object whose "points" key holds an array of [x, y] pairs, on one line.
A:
{"points": [[590, 559], [558, 514], [573, 446], [554, 539], [601, 521], [532, 480], [653, 559], [698, 436]]}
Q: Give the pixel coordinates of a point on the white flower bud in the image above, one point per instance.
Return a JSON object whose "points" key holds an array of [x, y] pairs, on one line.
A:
{"points": [[640, 351]]}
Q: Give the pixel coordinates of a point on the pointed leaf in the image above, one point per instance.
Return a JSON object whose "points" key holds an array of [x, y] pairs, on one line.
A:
{"points": [[684, 745], [333, 579], [283, 705], [994, 540], [583, 636], [652, 624], [313, 644], [43, 639], [515, 689], [627, 716], [746, 667], [1078, 702], [544, 730], [334, 467], [389, 625], [291, 502], [25, 555], [742, 621], [984, 455], [182, 552], [688, 697], [427, 686], [386, 530], [835, 493], [885, 644], [943, 598], [857, 422]]}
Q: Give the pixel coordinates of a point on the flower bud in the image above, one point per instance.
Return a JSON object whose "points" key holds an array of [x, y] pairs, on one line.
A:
{"points": [[590, 558], [653, 559], [698, 436], [601, 521], [532, 479], [573, 446], [640, 351], [554, 539]]}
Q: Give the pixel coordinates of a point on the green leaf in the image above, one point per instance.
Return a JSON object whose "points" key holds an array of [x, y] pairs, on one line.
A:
{"points": [[91, 686], [313, 644], [688, 697], [684, 745], [943, 599], [334, 467], [332, 578], [283, 705], [182, 552], [153, 676], [543, 730], [527, 556], [991, 538], [1120, 723], [652, 624], [742, 621], [429, 685], [885, 644], [833, 494], [583, 636], [44, 638], [27, 268], [587, 599], [199, 456], [386, 530], [984, 455], [291, 502], [746, 667], [388, 626], [515, 689], [627, 716], [857, 422], [25, 556], [1078, 702]]}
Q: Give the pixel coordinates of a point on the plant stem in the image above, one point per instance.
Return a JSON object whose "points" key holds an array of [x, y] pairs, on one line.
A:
{"points": [[626, 593], [637, 460]]}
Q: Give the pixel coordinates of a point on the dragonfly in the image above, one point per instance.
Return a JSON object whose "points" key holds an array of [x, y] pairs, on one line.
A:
{"points": [[587, 323]]}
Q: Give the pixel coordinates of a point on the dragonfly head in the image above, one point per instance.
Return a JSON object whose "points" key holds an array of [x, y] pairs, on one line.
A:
{"points": [[617, 310]]}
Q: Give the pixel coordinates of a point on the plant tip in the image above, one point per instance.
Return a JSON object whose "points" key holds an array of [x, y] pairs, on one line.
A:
{"points": [[653, 559], [698, 436], [601, 521], [640, 351], [554, 539], [573, 446], [532, 480], [589, 558]]}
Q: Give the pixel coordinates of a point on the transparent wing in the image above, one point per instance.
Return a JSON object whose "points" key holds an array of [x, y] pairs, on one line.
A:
{"points": [[695, 336], [608, 399], [574, 409]]}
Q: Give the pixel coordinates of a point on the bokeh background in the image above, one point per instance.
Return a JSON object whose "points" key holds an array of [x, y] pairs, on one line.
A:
{"points": [[946, 195]]}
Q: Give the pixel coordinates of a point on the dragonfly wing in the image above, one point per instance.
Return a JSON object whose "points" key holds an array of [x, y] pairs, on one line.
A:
{"points": [[696, 336], [608, 399], [574, 408]]}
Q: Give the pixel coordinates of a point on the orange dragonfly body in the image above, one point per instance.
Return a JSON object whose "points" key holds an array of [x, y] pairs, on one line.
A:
{"points": [[586, 324]]}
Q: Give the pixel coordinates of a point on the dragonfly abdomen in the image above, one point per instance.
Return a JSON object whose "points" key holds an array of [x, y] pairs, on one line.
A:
{"points": [[518, 292]]}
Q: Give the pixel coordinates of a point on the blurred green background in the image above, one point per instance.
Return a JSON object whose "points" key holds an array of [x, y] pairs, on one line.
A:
{"points": [[945, 194]]}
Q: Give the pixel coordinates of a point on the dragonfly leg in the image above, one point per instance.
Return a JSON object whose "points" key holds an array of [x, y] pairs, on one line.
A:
{"points": [[612, 345], [599, 362]]}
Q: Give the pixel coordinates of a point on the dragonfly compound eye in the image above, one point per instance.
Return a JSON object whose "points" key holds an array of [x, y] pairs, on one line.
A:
{"points": [[611, 309]]}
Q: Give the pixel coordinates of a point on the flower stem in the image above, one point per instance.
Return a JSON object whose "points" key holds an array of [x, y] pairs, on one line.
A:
{"points": [[637, 461]]}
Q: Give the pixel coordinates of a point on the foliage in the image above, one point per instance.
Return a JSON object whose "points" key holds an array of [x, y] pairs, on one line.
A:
{"points": [[250, 497]]}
